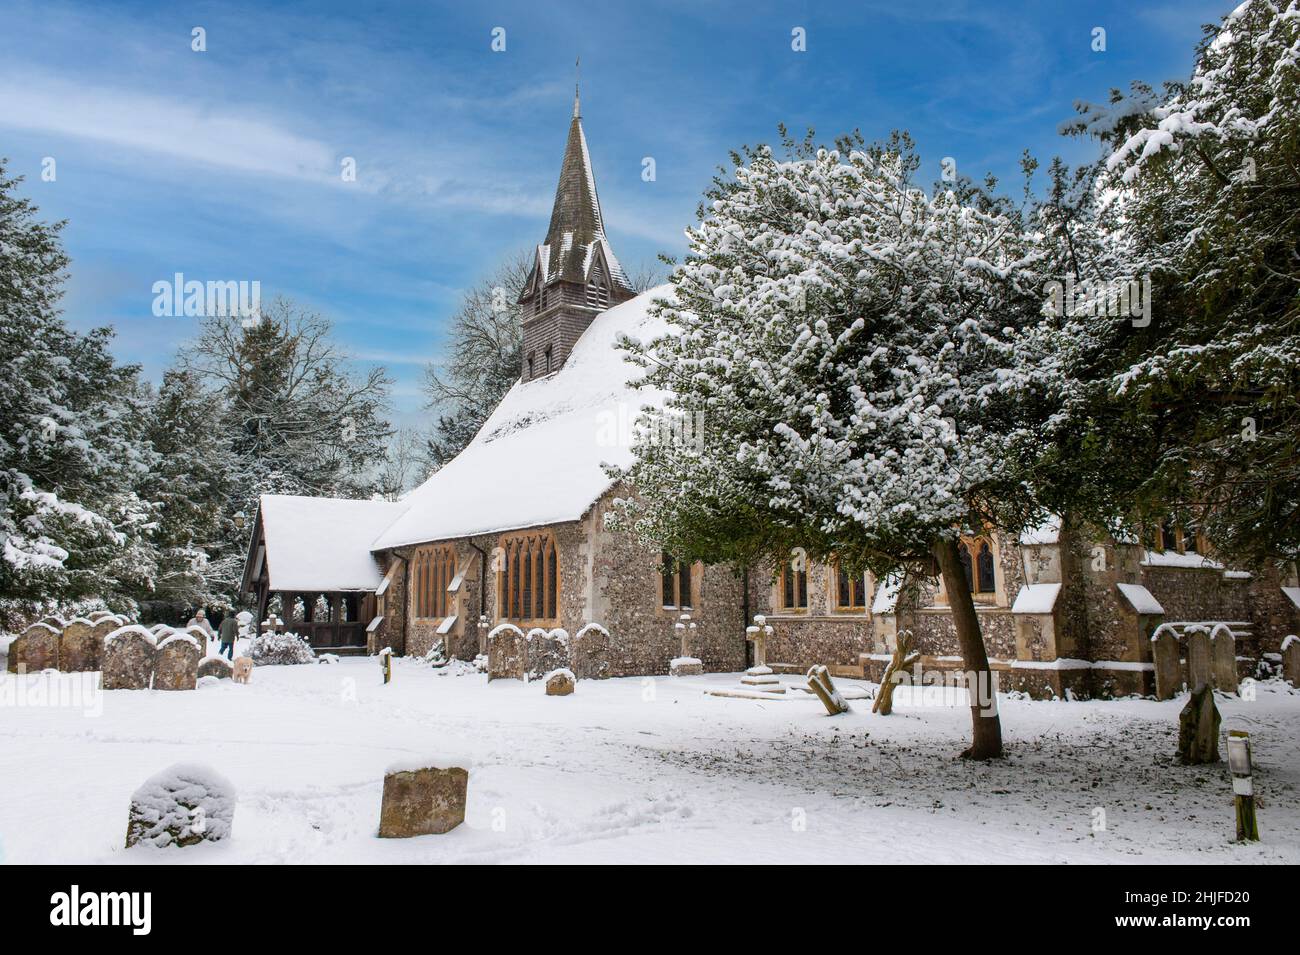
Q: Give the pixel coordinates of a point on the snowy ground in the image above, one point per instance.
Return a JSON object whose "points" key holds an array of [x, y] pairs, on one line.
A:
{"points": [[638, 770]]}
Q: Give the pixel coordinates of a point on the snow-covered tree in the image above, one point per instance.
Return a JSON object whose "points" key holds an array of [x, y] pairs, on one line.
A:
{"points": [[1198, 413], [851, 346], [293, 418], [485, 340], [72, 449], [199, 557]]}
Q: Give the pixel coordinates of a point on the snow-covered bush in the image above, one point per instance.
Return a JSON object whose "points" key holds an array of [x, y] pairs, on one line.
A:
{"points": [[183, 805], [280, 648]]}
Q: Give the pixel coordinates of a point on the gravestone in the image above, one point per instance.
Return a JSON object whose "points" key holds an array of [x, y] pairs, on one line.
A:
{"points": [[1200, 663], [760, 676], [200, 637], [17, 650], [128, 659], [420, 801], [591, 653], [507, 653], [560, 683], [1223, 649], [177, 664], [1198, 728], [219, 667], [80, 646], [1168, 664], [181, 806], [547, 651], [684, 664], [1291, 660], [41, 651]]}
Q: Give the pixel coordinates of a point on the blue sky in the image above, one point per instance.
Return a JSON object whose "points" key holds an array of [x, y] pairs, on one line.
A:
{"points": [[225, 164]]}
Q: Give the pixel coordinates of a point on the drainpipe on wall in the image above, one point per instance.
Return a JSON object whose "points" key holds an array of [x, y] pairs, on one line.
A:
{"points": [[744, 609], [482, 580], [406, 598]]}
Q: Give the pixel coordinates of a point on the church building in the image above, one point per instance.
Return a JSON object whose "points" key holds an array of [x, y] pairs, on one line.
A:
{"points": [[503, 552]]}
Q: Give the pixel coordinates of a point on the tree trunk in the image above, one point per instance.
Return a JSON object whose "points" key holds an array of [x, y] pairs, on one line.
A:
{"points": [[987, 727]]}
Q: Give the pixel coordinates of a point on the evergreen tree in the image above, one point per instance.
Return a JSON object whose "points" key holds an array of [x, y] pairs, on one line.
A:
{"points": [[1197, 415], [72, 449], [198, 562], [852, 347]]}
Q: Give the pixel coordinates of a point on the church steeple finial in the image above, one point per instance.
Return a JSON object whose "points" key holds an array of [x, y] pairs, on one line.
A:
{"points": [[577, 82]]}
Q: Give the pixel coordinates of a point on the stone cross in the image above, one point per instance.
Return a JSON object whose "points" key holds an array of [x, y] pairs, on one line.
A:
{"points": [[758, 634], [760, 675], [686, 631]]}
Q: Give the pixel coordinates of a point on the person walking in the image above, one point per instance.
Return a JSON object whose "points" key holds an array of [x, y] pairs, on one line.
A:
{"points": [[229, 633]]}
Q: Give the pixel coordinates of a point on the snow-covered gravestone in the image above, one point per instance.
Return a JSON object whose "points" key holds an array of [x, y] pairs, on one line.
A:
{"points": [[684, 664], [40, 648], [181, 806], [422, 797], [80, 645], [218, 667], [546, 651], [591, 653], [176, 667], [560, 682], [1223, 650], [760, 675], [1200, 667], [128, 658], [1291, 660], [507, 653], [1167, 663]]}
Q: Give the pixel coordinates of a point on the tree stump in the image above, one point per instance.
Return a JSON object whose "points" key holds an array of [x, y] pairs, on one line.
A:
{"points": [[903, 658], [1198, 728], [819, 681]]}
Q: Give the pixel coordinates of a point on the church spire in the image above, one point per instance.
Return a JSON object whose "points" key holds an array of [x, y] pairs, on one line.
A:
{"points": [[577, 82], [575, 275]]}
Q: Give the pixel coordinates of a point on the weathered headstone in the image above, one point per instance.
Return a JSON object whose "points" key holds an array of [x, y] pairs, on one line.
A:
{"points": [[1198, 728], [1168, 664], [200, 637], [420, 801], [1223, 649], [1200, 664], [1290, 660], [177, 664], [591, 653], [219, 667], [546, 651], [507, 653], [181, 806], [41, 651], [560, 682], [17, 653], [128, 659], [80, 646]]}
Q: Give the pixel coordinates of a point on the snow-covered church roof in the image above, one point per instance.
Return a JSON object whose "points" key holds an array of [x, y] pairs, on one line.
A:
{"points": [[322, 543], [538, 459]]}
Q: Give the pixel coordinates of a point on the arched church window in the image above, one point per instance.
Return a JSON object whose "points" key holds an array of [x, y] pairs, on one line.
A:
{"points": [[976, 556], [528, 582], [548, 366], [675, 579]]}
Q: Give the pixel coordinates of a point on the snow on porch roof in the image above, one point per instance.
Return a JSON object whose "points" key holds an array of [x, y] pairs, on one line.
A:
{"points": [[323, 543], [538, 459]]}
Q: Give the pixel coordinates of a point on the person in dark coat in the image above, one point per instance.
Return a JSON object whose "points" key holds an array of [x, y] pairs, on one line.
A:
{"points": [[229, 633]]}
